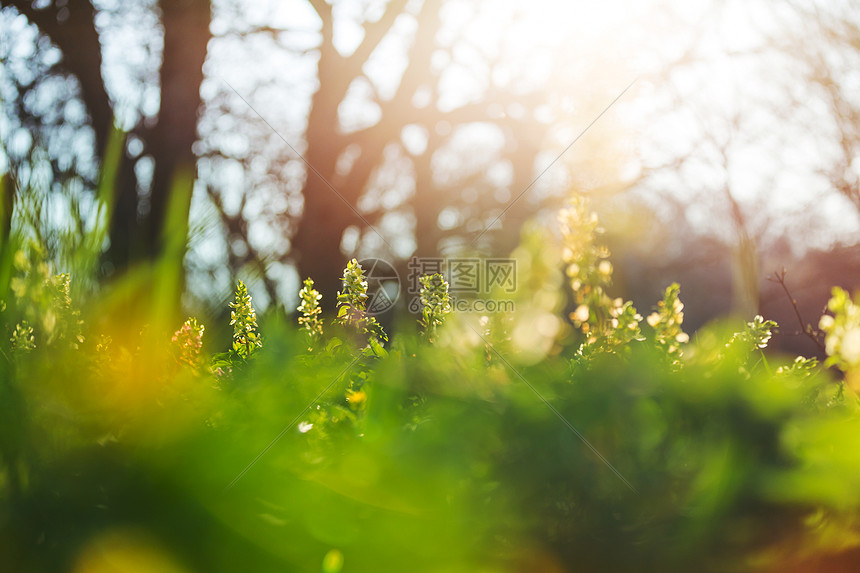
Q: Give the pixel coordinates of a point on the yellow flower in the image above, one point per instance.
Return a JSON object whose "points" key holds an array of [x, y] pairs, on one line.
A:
{"points": [[355, 397]]}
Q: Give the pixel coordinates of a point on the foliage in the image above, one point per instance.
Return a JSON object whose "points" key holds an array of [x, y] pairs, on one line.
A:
{"points": [[842, 330], [243, 318], [22, 339], [343, 450], [607, 323], [755, 335], [666, 322], [310, 310], [246, 337], [188, 343], [435, 304], [352, 305]]}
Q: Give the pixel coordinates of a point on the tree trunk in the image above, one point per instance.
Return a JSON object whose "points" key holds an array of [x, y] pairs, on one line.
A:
{"points": [[316, 243], [326, 215], [138, 223], [186, 39]]}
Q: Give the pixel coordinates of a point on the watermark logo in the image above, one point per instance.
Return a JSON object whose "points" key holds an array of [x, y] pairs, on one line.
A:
{"points": [[466, 276], [383, 285], [475, 284]]}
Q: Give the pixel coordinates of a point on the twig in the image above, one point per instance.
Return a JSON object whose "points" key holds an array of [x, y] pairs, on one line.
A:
{"points": [[806, 328]]}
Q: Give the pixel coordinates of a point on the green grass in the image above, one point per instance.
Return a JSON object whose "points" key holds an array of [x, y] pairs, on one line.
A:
{"points": [[319, 445]]}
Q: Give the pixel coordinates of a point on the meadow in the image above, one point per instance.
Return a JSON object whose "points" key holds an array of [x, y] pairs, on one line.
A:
{"points": [[135, 439]]}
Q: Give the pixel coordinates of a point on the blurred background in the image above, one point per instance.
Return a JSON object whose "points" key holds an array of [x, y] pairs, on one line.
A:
{"points": [[319, 131], [186, 144]]}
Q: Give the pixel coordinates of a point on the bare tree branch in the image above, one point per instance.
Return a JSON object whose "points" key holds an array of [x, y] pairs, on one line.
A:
{"points": [[375, 32]]}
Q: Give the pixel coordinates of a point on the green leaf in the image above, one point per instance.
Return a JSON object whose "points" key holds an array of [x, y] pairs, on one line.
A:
{"points": [[378, 350]]}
